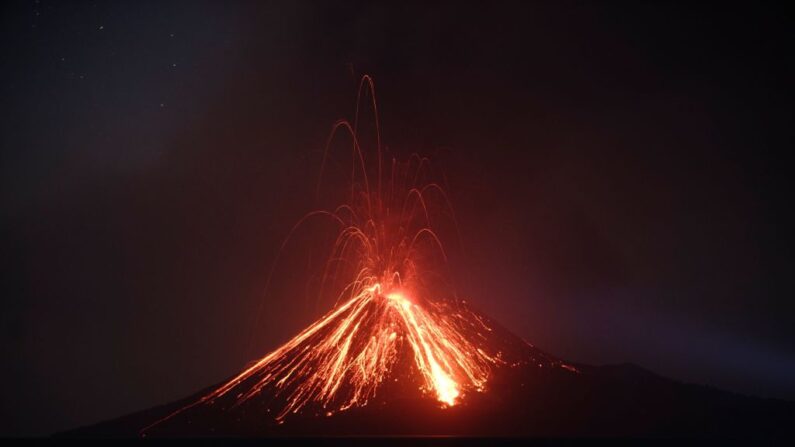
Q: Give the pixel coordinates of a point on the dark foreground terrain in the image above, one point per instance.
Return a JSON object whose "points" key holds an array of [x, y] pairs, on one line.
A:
{"points": [[609, 401]]}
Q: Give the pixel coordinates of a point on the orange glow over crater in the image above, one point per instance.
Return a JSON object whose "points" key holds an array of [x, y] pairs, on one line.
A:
{"points": [[394, 307]]}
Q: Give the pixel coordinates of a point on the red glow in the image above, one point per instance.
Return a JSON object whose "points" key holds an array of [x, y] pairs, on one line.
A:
{"points": [[392, 305]]}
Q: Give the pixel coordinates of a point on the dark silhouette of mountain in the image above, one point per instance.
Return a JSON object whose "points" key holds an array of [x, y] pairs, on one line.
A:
{"points": [[612, 400]]}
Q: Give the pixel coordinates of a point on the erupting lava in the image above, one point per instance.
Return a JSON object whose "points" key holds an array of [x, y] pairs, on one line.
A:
{"points": [[395, 315], [342, 358]]}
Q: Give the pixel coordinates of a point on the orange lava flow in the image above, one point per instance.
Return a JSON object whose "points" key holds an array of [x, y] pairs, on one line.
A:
{"points": [[343, 357], [395, 307]]}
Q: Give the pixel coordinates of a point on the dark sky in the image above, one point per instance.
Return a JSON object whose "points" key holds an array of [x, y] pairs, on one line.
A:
{"points": [[619, 172]]}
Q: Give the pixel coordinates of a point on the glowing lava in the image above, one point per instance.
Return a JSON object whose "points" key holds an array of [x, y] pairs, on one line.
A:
{"points": [[340, 360]]}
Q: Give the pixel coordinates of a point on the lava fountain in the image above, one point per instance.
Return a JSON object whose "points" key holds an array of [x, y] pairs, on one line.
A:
{"points": [[395, 309]]}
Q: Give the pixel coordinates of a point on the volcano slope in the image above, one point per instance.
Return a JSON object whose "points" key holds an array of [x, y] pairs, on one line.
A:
{"points": [[526, 393]]}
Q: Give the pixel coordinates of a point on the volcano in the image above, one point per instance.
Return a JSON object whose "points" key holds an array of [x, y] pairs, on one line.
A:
{"points": [[399, 352], [373, 349], [527, 394]]}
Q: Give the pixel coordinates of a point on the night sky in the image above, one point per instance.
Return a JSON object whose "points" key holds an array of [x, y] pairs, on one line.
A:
{"points": [[619, 173]]}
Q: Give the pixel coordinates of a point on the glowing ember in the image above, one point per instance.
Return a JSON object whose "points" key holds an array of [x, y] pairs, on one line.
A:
{"points": [[393, 306]]}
